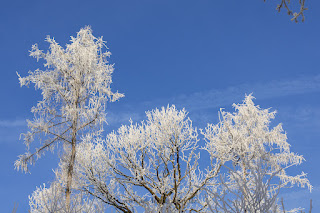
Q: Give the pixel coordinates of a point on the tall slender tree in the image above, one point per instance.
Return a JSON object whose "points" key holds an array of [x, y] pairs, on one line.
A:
{"points": [[75, 85]]}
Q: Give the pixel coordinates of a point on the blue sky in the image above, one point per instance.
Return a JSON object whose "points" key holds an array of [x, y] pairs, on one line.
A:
{"points": [[201, 55]]}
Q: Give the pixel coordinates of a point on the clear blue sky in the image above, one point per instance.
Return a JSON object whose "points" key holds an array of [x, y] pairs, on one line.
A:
{"points": [[201, 55]]}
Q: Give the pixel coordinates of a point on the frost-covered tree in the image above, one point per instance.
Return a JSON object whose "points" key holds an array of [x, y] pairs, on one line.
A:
{"points": [[256, 158], [75, 85], [52, 199], [152, 165]]}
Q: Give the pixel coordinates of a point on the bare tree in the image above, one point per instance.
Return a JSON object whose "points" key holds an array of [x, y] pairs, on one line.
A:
{"points": [[285, 4], [75, 86]]}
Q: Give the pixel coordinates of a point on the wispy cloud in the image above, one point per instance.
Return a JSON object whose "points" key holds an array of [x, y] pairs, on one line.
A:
{"points": [[199, 103], [12, 123], [262, 90], [300, 115], [115, 119], [10, 130], [301, 198]]}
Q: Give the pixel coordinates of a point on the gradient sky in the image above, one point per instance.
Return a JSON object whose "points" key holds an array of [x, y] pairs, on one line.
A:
{"points": [[201, 55]]}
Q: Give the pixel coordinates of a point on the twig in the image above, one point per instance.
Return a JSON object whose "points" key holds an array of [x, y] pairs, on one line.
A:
{"points": [[310, 206], [284, 211]]}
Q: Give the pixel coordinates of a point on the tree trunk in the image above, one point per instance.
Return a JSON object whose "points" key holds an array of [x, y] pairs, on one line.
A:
{"points": [[71, 165]]}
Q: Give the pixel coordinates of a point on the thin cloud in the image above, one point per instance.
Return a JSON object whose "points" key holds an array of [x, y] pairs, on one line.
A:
{"points": [[216, 98], [123, 117], [12, 123], [301, 198], [200, 102]]}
